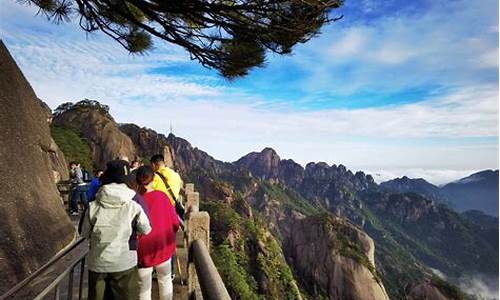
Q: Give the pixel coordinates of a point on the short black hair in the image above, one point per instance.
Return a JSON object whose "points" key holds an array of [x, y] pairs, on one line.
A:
{"points": [[157, 158], [144, 175], [98, 170], [117, 171]]}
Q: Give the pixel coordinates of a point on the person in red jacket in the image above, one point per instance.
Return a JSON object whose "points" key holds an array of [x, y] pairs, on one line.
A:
{"points": [[155, 249]]}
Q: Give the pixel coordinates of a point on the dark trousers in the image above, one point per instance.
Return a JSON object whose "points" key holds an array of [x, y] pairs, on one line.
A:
{"points": [[174, 262], [79, 192], [114, 286]]}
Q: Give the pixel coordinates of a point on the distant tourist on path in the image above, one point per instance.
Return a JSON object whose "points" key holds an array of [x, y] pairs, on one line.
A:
{"points": [[94, 185], [156, 249], [78, 188], [134, 165], [108, 224]]}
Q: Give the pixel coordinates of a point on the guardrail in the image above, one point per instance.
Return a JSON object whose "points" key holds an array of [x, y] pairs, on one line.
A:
{"points": [[51, 276], [204, 281], [57, 276]]}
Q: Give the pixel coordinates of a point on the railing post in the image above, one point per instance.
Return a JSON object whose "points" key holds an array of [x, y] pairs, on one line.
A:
{"points": [[189, 188], [193, 202], [57, 293], [198, 229], [82, 274], [70, 283]]}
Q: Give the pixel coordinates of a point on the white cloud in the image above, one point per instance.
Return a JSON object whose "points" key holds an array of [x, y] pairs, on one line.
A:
{"points": [[431, 137], [451, 43], [434, 176], [486, 288], [350, 44]]}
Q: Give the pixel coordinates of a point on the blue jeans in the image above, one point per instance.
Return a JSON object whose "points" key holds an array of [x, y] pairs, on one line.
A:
{"points": [[79, 192]]}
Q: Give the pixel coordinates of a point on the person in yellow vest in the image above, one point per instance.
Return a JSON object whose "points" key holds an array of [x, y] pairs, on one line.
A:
{"points": [[164, 174]]}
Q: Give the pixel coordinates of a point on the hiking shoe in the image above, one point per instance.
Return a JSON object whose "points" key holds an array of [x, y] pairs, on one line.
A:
{"points": [[74, 213]]}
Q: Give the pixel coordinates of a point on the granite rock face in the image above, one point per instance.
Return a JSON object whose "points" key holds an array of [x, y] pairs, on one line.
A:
{"points": [[33, 222], [335, 258], [148, 143], [426, 291], [106, 140]]}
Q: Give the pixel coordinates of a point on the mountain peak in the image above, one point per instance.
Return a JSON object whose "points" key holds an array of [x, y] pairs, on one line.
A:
{"points": [[263, 164], [268, 149], [270, 152], [479, 176]]}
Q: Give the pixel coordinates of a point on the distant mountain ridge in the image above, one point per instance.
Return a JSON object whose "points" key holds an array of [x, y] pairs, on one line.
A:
{"points": [[417, 185], [264, 209], [478, 191]]}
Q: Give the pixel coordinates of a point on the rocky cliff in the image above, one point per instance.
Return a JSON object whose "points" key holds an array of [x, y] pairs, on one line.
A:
{"points": [[93, 122], [334, 258], [411, 231], [233, 196], [148, 143], [262, 208], [33, 221]]}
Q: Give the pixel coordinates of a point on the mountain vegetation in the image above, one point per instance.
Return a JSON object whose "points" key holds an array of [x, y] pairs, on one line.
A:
{"points": [[74, 147], [279, 230]]}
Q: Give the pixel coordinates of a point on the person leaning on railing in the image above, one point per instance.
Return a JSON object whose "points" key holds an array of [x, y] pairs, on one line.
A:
{"points": [[108, 224]]}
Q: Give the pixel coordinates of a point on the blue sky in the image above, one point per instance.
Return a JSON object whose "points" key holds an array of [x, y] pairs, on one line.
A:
{"points": [[395, 87]]}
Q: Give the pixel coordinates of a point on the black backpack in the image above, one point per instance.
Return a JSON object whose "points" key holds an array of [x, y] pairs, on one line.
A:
{"points": [[86, 175]]}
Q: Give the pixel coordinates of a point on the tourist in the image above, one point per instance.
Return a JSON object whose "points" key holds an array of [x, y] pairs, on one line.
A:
{"points": [[156, 249], [134, 165], [166, 180], [108, 224], [78, 188], [94, 185], [169, 182]]}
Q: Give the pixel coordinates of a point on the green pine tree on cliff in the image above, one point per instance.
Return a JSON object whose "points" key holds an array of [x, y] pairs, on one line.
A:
{"points": [[229, 36]]}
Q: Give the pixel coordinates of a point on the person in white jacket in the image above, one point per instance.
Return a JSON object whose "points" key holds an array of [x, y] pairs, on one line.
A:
{"points": [[108, 224]]}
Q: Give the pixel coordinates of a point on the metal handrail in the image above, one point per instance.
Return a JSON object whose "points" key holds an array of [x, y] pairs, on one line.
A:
{"points": [[48, 278]]}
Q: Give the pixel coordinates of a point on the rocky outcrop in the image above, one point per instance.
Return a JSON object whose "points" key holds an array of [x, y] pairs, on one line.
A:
{"points": [[33, 223], [58, 162], [425, 291], [413, 185], [264, 164], [334, 258], [148, 143], [190, 159], [314, 179], [94, 123]]}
